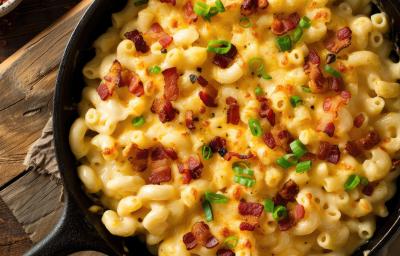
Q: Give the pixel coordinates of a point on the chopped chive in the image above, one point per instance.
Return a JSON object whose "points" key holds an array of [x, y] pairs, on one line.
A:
{"points": [[245, 181], [330, 70], [213, 11], [220, 6], [258, 91], [305, 22], [256, 66], [245, 22], [297, 34], [216, 198], [295, 101], [306, 89], [201, 9], [138, 121], [231, 242], [206, 152], [364, 181], [219, 46], [269, 205], [352, 182], [255, 127], [140, 2], [241, 168], [280, 212], [154, 70], [303, 167], [287, 161], [298, 148], [284, 43], [207, 210]]}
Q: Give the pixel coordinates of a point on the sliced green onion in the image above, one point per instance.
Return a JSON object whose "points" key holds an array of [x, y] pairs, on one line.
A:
{"points": [[154, 70], [140, 2], [306, 89], [138, 121], [207, 210], [269, 205], [245, 181], [364, 181], [255, 127], [258, 91], [303, 167], [298, 148], [201, 9], [287, 161], [330, 70], [231, 242], [297, 34], [245, 22], [352, 182], [206, 152], [216, 198], [220, 6], [279, 213], [305, 22], [241, 168], [213, 11], [295, 101], [219, 46], [284, 43], [256, 66]]}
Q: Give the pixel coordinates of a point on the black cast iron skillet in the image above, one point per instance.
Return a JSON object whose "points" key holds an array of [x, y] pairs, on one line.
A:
{"points": [[80, 229]]}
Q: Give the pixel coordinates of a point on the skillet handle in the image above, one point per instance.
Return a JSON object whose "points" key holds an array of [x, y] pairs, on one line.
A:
{"points": [[71, 234]]}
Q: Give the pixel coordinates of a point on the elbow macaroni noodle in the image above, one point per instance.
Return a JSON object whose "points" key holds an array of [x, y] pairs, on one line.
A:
{"points": [[336, 220]]}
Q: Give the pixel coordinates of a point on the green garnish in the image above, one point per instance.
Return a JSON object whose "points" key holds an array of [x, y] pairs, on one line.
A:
{"points": [[306, 89], [219, 46], [298, 148], [352, 182], [280, 212], [258, 91], [330, 70], [220, 6], [231, 242], [204, 10], [207, 210], [241, 168], [138, 121], [303, 167], [154, 70], [245, 22], [206, 152], [269, 205], [245, 181], [297, 34], [216, 198], [295, 101], [305, 22], [256, 66], [287, 161], [284, 43], [255, 127]]}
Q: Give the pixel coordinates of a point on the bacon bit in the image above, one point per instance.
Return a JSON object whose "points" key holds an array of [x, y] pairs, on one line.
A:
{"points": [[266, 111], [330, 129], [339, 40], [335, 84], [189, 120], [103, 91], [248, 7], [299, 212], [228, 156], [160, 171], [223, 60], [218, 144], [225, 252], [281, 24], [136, 86], [329, 152], [326, 106], [164, 109], [308, 156], [173, 2], [353, 148], [158, 33], [262, 4], [346, 96], [269, 140], [202, 81], [111, 81], [284, 139], [286, 223], [212, 242], [208, 96], [395, 163], [289, 191], [160, 152], [368, 190], [171, 89], [245, 226], [190, 241], [359, 120], [165, 40], [371, 140], [313, 70], [188, 12], [170, 153], [136, 156], [203, 236], [137, 38], [253, 209], [195, 167], [278, 200], [233, 115]]}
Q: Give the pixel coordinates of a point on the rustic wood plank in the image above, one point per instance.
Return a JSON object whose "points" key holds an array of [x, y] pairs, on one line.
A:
{"points": [[13, 240], [26, 90]]}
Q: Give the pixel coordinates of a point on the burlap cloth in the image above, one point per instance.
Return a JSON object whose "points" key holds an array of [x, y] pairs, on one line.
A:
{"points": [[41, 157]]}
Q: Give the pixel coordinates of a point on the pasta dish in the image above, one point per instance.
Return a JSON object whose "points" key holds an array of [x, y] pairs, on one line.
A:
{"points": [[241, 127]]}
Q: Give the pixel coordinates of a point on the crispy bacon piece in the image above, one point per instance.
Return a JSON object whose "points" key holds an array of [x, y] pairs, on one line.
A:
{"points": [[339, 40], [188, 12], [160, 152], [266, 111], [248, 7], [111, 81], [136, 86], [225, 252], [330, 129], [335, 84], [136, 156], [284, 140], [286, 223], [289, 191], [359, 120], [353, 148], [368, 190], [269, 140], [329, 152], [299, 212], [223, 60], [203, 236], [191, 169], [190, 241], [233, 115], [189, 120], [218, 144], [208, 96], [252, 209], [137, 38], [278, 200], [171, 89], [228, 156], [282, 24], [313, 70], [245, 226], [164, 109], [160, 171], [173, 2], [157, 32], [370, 140], [202, 81]]}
